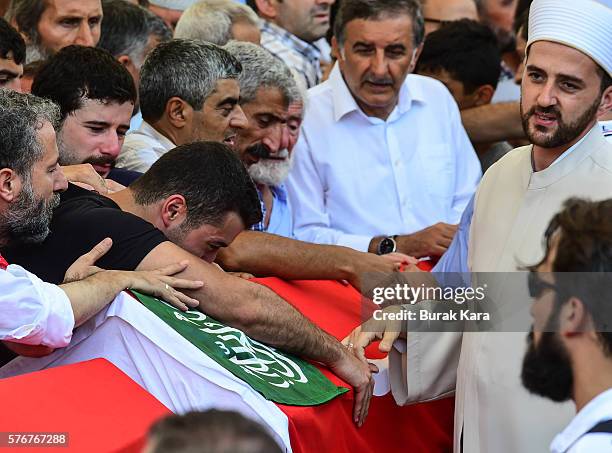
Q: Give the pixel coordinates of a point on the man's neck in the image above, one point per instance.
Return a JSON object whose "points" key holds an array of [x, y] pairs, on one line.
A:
{"points": [[545, 157], [163, 128], [592, 376], [125, 200]]}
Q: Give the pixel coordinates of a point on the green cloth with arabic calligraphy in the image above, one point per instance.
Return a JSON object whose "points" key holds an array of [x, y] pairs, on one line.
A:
{"points": [[280, 377]]}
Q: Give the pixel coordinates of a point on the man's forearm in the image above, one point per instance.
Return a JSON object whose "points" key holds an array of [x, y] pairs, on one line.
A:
{"points": [[90, 295], [268, 318], [493, 122], [265, 254]]}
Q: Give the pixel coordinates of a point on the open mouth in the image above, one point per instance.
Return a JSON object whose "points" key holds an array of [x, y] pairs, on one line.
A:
{"points": [[545, 119]]}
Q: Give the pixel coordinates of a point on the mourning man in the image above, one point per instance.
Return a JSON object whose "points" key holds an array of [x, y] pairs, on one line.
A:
{"points": [[192, 201], [48, 26], [188, 91], [383, 162], [36, 317], [96, 95]]}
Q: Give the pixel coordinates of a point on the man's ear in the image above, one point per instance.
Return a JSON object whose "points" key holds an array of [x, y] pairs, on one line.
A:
{"points": [[268, 9], [415, 57], [605, 107], [483, 95], [10, 185], [178, 112], [573, 318], [174, 211], [336, 51]]}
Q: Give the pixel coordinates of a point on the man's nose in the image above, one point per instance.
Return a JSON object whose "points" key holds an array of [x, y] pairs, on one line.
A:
{"points": [[85, 35], [547, 96], [239, 119], [111, 145], [378, 64]]}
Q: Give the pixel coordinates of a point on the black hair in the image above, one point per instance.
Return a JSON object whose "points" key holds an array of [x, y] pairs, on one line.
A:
{"points": [[76, 73], [212, 179], [377, 9], [467, 50], [11, 42], [184, 68]]}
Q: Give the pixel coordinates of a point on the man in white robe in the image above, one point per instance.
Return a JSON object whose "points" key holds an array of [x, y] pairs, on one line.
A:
{"points": [[565, 87]]}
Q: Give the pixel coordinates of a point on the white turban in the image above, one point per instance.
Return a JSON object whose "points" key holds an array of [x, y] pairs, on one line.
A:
{"points": [[585, 25], [179, 5]]}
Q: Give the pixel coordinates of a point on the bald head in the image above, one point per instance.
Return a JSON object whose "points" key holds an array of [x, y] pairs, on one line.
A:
{"points": [[436, 11]]}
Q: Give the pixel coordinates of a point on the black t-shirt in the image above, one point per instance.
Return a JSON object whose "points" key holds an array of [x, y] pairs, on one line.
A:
{"points": [[81, 221]]}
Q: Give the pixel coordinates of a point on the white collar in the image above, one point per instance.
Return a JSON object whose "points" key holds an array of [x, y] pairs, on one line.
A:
{"points": [[597, 410], [146, 129], [344, 102]]}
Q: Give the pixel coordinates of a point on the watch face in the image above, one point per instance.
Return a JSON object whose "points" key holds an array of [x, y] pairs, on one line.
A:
{"points": [[387, 245]]}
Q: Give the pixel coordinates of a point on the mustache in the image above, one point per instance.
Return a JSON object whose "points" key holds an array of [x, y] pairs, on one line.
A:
{"points": [[259, 150], [320, 9], [369, 78], [552, 110], [100, 160]]}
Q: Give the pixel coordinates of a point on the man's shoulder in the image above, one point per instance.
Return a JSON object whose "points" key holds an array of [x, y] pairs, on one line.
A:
{"points": [[431, 90], [320, 104]]}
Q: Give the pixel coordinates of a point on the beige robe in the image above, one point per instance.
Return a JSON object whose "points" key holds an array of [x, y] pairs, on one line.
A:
{"points": [[512, 209]]}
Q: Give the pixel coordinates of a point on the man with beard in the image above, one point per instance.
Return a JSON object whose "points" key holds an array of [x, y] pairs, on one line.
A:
{"points": [[50, 25], [266, 147], [96, 95], [569, 354], [289, 31], [565, 87], [193, 201], [188, 91], [32, 312]]}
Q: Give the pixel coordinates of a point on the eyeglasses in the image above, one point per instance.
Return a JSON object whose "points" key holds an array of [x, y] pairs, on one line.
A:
{"points": [[536, 285]]}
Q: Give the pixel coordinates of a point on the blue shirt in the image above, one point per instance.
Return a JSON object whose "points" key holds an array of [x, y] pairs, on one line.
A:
{"points": [[281, 222], [452, 269]]}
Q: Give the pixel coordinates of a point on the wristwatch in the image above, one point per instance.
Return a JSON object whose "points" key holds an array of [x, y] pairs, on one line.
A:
{"points": [[387, 245]]}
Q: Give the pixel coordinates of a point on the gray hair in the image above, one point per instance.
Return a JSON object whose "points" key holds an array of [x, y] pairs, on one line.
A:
{"points": [[261, 69], [21, 117], [212, 20], [186, 69], [376, 9], [126, 29]]}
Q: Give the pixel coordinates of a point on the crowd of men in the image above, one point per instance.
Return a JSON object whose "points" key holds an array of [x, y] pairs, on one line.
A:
{"points": [[186, 146]]}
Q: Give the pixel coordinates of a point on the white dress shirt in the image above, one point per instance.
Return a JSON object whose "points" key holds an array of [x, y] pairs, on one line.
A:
{"points": [[356, 177], [32, 311], [574, 439], [142, 148]]}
